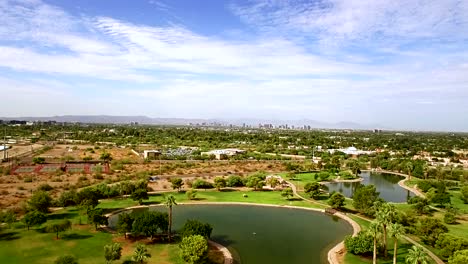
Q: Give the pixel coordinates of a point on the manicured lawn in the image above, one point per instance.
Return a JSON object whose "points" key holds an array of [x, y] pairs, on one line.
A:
{"points": [[301, 179], [263, 197], [82, 241], [458, 202]]}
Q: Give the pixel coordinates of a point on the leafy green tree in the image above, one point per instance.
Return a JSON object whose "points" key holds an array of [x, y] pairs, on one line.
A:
{"points": [[141, 254], [355, 166], [449, 244], [361, 244], [337, 200], [112, 252], [148, 223], [40, 201], [374, 230], [364, 198], [464, 194], [139, 195], [234, 181], [195, 227], [219, 183], [255, 182], [58, 227], [287, 192], [312, 189], [68, 259], [273, 182], [450, 218], [8, 217], [68, 198], [106, 157], [194, 249], [416, 255], [396, 232], [177, 183], [419, 204], [191, 194], [124, 224], [96, 217], [429, 229], [460, 257], [34, 218], [88, 198], [170, 201]]}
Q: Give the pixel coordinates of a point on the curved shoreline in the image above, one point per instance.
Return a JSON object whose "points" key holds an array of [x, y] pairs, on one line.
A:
{"points": [[401, 183], [332, 253]]}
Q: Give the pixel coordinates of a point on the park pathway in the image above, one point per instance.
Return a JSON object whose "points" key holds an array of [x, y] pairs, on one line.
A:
{"points": [[339, 249]]}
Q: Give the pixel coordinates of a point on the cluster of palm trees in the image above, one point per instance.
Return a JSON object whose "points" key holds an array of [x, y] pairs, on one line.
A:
{"points": [[385, 225]]}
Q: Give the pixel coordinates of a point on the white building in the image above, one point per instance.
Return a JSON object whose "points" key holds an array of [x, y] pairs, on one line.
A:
{"points": [[351, 151], [223, 153], [151, 154]]}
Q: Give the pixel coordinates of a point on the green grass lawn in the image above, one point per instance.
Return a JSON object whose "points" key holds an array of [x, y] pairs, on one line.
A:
{"points": [[18, 245], [263, 197]]}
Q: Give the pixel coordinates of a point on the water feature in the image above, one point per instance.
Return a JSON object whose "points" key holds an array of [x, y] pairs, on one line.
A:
{"points": [[385, 183], [258, 234]]}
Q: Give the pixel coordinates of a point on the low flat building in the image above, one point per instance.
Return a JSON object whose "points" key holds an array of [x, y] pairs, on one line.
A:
{"points": [[151, 154], [223, 153]]}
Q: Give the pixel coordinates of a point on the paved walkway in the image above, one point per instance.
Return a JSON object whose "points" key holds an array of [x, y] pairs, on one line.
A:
{"points": [[339, 249]]}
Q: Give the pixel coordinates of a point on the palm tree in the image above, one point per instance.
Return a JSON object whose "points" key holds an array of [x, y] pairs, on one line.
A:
{"points": [[170, 201], [416, 255], [374, 230], [384, 215], [140, 254], [396, 231], [409, 168]]}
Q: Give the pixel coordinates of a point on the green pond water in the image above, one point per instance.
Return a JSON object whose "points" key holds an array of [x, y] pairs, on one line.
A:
{"points": [[385, 183], [258, 234]]}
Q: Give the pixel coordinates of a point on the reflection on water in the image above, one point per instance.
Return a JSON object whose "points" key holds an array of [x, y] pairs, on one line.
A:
{"points": [[386, 184], [266, 234]]}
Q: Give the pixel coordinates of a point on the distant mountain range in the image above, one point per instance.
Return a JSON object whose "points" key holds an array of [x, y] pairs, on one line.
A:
{"points": [[108, 119]]}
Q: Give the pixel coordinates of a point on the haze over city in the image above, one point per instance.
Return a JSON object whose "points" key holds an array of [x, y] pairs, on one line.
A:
{"points": [[399, 64]]}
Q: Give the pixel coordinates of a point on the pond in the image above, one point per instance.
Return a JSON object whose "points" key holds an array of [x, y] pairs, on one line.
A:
{"points": [[385, 183], [260, 234]]}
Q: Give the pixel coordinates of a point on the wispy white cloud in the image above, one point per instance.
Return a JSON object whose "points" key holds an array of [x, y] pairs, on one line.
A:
{"points": [[287, 70], [339, 21]]}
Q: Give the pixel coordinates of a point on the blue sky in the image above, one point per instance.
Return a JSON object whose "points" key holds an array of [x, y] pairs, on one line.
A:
{"points": [[402, 63]]}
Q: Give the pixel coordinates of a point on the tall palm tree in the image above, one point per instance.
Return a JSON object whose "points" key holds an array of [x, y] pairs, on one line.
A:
{"points": [[140, 254], [170, 201], [409, 168], [416, 255], [384, 215], [396, 231], [374, 230]]}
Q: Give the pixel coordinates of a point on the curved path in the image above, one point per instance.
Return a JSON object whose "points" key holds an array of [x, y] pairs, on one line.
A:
{"points": [[336, 251], [339, 249]]}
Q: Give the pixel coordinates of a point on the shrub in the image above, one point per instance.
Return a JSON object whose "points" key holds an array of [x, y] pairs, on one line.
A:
{"points": [[362, 244], [449, 244], [234, 181], [66, 260], [195, 227], [45, 187], [201, 184], [429, 229], [194, 249]]}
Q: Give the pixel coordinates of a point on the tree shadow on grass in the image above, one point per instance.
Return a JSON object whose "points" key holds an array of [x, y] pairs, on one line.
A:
{"points": [[150, 202], [74, 236], [228, 190], [9, 236], [61, 216], [294, 199], [198, 199]]}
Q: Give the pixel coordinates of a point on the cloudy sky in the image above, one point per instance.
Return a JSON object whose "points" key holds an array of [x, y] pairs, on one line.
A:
{"points": [[399, 63]]}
